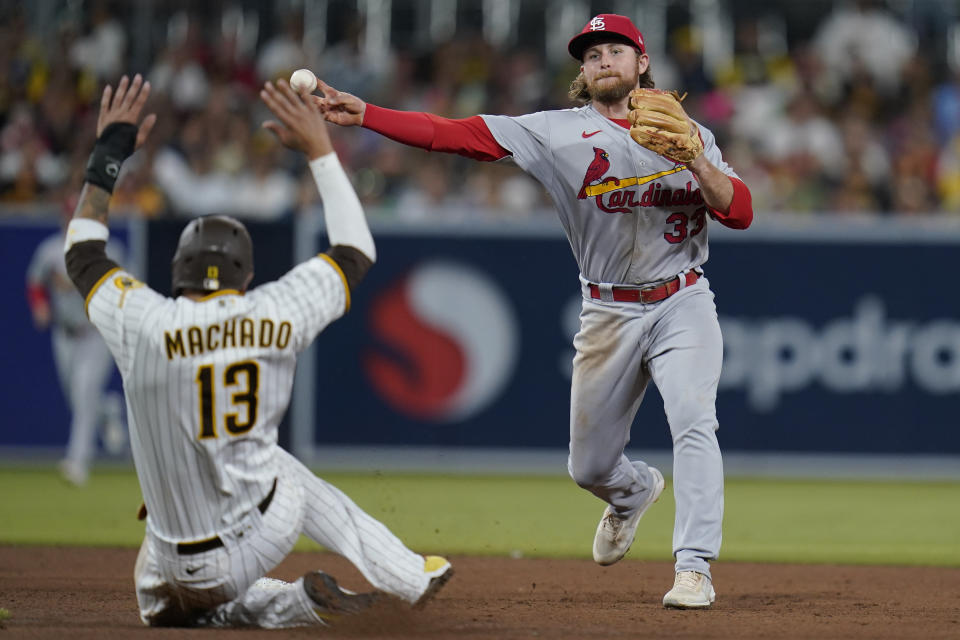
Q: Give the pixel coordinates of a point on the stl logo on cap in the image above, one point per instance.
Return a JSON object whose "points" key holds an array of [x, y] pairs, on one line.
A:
{"points": [[606, 25], [597, 24]]}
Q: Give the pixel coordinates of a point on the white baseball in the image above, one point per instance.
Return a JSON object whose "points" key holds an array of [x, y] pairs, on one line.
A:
{"points": [[303, 81]]}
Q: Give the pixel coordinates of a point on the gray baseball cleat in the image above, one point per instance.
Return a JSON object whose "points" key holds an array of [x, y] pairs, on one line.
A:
{"points": [[74, 473], [615, 534], [331, 602], [691, 590]]}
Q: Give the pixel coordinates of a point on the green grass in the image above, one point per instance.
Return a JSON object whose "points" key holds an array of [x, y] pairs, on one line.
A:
{"points": [[766, 520], [843, 522]]}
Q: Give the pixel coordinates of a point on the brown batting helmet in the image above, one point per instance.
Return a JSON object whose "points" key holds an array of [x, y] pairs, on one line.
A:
{"points": [[214, 253]]}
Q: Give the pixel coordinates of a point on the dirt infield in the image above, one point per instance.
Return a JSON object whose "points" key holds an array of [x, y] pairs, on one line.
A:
{"points": [[88, 593]]}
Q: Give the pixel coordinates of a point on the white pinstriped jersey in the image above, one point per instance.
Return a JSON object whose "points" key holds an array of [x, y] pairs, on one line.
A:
{"points": [[631, 216], [207, 383]]}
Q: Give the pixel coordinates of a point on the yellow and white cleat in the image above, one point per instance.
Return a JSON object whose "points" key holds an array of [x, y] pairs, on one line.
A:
{"points": [[440, 571]]}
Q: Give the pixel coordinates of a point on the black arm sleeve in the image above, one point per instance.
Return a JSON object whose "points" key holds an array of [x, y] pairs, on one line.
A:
{"points": [[87, 262], [353, 262]]}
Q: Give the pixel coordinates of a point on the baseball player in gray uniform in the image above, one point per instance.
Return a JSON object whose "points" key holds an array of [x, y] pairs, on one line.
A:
{"points": [[81, 358], [208, 375], [637, 223]]}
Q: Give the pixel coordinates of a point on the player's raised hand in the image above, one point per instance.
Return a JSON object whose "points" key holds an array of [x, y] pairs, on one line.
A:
{"points": [[301, 125], [338, 107], [125, 105]]}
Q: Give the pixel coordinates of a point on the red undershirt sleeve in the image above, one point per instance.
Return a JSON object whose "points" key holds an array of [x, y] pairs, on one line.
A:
{"points": [[740, 213], [468, 137], [37, 295]]}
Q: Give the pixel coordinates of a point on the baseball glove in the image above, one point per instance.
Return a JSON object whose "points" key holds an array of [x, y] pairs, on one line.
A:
{"points": [[659, 123]]}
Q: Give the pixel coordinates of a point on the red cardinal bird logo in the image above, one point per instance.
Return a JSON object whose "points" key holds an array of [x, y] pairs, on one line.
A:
{"points": [[598, 167]]}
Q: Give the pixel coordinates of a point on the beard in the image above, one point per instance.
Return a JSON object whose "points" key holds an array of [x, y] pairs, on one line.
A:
{"points": [[611, 92]]}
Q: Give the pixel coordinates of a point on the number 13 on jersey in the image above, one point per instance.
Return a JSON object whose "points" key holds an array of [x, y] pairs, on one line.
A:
{"points": [[242, 381]]}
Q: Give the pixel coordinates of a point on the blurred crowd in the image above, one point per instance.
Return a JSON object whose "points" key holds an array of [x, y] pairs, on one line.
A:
{"points": [[860, 117]]}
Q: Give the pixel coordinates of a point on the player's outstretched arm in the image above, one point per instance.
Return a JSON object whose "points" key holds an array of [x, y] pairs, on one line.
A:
{"points": [[468, 137], [340, 108], [302, 126], [120, 132]]}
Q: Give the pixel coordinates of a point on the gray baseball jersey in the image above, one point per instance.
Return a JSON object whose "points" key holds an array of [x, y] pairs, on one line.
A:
{"points": [[81, 358], [632, 216]]}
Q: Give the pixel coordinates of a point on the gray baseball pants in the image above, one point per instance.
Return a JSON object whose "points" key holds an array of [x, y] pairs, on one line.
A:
{"points": [[620, 348]]}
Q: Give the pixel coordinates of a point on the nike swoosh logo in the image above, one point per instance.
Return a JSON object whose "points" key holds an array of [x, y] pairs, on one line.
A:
{"points": [[587, 135], [192, 570]]}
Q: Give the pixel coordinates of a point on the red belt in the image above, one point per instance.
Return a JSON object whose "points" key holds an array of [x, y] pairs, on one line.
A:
{"points": [[648, 294]]}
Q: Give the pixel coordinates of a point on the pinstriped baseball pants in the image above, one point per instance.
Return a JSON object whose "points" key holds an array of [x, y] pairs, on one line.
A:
{"points": [[226, 587]]}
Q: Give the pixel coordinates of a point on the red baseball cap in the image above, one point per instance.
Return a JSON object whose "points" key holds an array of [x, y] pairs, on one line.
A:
{"points": [[606, 26]]}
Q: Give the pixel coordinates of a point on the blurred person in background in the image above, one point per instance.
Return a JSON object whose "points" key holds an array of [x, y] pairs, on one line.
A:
{"points": [[948, 176], [49, 71], [137, 194], [352, 65], [687, 58], [805, 131], [498, 192], [757, 85], [946, 110], [102, 50], [263, 190], [29, 168], [803, 152], [946, 104], [283, 53], [185, 172], [83, 363], [179, 71], [863, 36], [520, 85], [430, 194], [866, 165], [217, 166], [915, 152], [232, 56]]}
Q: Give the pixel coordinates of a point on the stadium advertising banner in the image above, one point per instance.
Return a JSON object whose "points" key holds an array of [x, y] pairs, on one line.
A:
{"points": [[832, 343]]}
